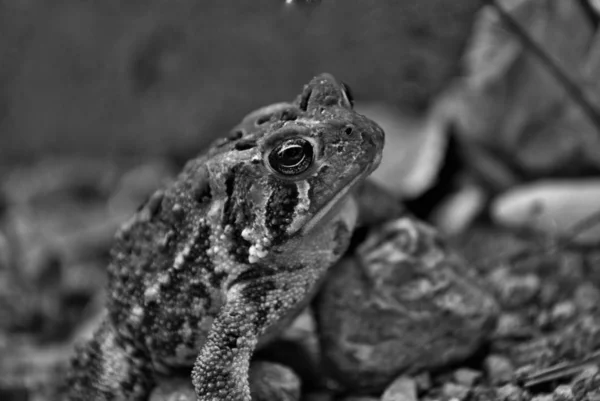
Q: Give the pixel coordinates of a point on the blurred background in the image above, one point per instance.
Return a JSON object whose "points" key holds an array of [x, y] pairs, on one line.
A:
{"points": [[113, 79], [102, 102]]}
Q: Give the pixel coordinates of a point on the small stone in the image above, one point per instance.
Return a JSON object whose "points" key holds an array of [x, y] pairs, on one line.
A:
{"points": [[542, 397], [523, 372], [563, 393], [552, 207], [549, 294], [423, 381], [499, 369], [515, 290], [563, 311], [587, 382], [544, 320], [595, 396], [273, 382], [402, 389], [510, 392], [510, 325], [467, 377], [587, 297], [455, 391]]}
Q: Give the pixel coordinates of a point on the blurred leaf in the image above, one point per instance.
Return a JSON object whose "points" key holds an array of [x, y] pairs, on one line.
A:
{"points": [[512, 107]]}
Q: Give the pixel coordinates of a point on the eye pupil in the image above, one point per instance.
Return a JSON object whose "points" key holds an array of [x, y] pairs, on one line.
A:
{"points": [[290, 155], [293, 156]]}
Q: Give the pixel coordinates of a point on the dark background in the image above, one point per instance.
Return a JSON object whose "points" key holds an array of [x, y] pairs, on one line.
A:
{"points": [[147, 78]]}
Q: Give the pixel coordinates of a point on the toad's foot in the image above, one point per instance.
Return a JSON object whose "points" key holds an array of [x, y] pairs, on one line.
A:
{"points": [[221, 370]]}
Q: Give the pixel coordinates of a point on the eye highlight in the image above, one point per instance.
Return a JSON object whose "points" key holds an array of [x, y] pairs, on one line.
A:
{"points": [[291, 157]]}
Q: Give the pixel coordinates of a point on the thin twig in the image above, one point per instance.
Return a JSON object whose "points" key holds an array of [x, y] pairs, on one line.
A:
{"points": [[561, 371], [572, 89]]}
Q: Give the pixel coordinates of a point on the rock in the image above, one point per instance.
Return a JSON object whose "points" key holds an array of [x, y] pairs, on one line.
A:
{"points": [[273, 382], [514, 291], [499, 369], [587, 297], [510, 392], [423, 381], [563, 393], [552, 207], [563, 311], [467, 377], [512, 325], [587, 382], [402, 389], [455, 391], [542, 397], [297, 347], [459, 209], [404, 303]]}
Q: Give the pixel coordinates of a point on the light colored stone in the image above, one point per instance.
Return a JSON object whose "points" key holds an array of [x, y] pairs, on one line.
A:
{"points": [[552, 207], [402, 389]]}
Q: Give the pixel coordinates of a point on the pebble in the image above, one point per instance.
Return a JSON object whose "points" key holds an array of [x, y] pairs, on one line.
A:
{"points": [[562, 393], [587, 297], [552, 207], [273, 382], [467, 377], [510, 392], [459, 210], [511, 325], [542, 397], [423, 381], [455, 391], [499, 369], [513, 290], [403, 388], [563, 311]]}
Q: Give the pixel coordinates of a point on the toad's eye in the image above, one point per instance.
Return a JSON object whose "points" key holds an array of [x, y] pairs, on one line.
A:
{"points": [[291, 157]]}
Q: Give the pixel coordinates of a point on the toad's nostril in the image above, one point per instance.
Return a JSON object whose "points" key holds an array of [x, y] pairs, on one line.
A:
{"points": [[304, 100]]}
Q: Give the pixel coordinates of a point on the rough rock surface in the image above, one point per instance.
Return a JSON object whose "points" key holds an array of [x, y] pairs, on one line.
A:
{"points": [[405, 305]]}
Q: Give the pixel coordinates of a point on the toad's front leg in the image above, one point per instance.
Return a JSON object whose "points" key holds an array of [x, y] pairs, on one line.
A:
{"points": [[109, 367], [221, 370]]}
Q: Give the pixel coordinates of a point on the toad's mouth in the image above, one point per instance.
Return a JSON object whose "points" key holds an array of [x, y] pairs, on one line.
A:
{"points": [[331, 208]]}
